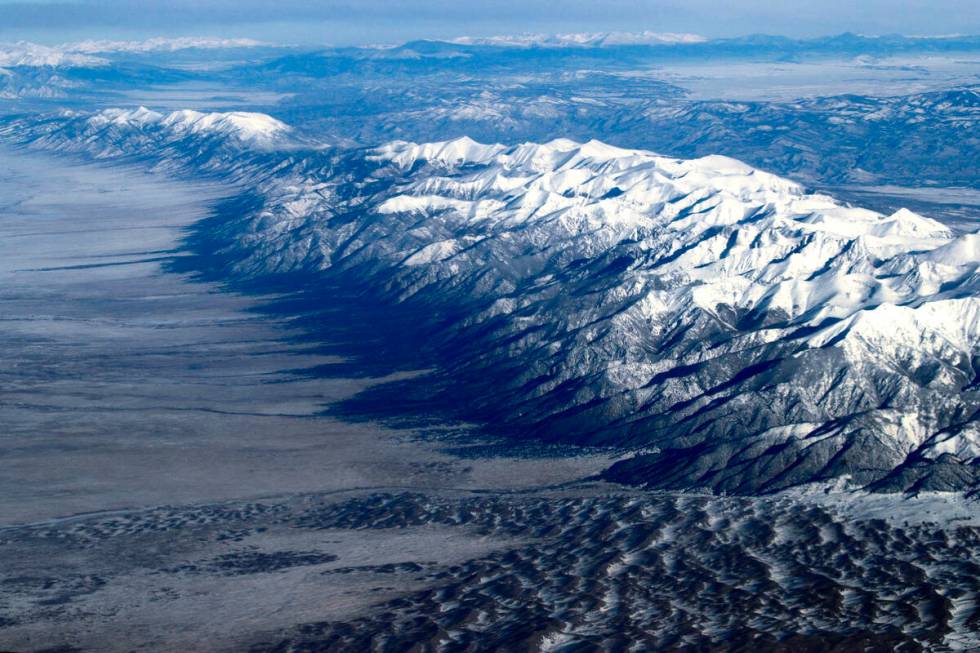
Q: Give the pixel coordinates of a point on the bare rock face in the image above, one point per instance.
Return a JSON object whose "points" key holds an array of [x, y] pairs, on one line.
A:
{"points": [[743, 333]]}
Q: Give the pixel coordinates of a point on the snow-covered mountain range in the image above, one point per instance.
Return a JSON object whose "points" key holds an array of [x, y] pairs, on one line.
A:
{"points": [[581, 39], [741, 332], [254, 128], [85, 53], [29, 54], [161, 44]]}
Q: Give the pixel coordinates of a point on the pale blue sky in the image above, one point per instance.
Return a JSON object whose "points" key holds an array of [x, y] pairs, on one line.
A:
{"points": [[373, 21]]}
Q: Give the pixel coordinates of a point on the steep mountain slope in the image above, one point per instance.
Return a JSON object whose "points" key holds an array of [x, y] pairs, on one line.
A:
{"points": [[745, 334]]}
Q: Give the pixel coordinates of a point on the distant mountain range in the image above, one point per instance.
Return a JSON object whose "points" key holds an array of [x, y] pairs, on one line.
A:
{"points": [[581, 39], [643, 44], [732, 329], [622, 88], [912, 140], [83, 53]]}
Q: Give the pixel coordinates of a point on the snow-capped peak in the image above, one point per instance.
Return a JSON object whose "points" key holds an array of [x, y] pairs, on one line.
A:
{"points": [[139, 117], [454, 152], [257, 128], [732, 239], [906, 224], [243, 125]]}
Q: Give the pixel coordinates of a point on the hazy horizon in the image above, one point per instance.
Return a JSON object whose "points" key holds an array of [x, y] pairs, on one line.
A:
{"points": [[372, 21]]}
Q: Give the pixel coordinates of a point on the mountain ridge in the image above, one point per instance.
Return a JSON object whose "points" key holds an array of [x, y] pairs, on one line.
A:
{"points": [[754, 335]]}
